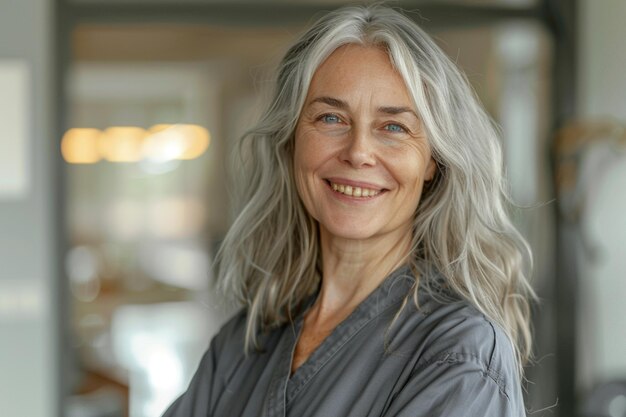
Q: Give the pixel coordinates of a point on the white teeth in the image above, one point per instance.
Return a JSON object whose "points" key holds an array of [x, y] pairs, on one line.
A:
{"points": [[354, 191]]}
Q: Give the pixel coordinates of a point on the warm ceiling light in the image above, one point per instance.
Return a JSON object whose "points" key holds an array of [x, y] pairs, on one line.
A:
{"points": [[198, 139], [164, 143], [122, 144], [180, 141], [80, 146]]}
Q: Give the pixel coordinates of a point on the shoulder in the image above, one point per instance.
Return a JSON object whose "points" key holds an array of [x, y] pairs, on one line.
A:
{"points": [[458, 362], [462, 337], [232, 331], [227, 345]]}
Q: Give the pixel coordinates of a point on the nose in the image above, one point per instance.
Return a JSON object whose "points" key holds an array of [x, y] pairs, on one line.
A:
{"points": [[358, 150]]}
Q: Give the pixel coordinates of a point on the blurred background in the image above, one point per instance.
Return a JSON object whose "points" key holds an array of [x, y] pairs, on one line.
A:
{"points": [[117, 118]]}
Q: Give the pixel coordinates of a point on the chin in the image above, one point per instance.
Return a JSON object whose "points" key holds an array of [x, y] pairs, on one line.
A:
{"points": [[350, 235], [348, 231]]}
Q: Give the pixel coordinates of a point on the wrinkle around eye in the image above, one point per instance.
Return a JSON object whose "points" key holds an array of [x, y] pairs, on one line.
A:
{"points": [[337, 124]]}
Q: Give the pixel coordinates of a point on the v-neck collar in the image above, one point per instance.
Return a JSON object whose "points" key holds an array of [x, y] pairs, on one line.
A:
{"points": [[284, 386]]}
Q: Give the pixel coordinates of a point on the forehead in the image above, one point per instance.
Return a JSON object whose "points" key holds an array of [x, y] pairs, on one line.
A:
{"points": [[363, 70]]}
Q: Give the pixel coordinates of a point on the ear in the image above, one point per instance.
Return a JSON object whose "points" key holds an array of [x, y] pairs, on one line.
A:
{"points": [[431, 170]]}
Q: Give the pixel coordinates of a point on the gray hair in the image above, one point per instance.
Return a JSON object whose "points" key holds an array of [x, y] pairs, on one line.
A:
{"points": [[270, 256]]}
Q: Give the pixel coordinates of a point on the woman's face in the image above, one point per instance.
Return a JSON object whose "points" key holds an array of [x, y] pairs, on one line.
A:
{"points": [[361, 155]]}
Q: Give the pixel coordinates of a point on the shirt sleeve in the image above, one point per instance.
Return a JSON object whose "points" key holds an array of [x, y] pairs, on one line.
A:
{"points": [[195, 402], [454, 385]]}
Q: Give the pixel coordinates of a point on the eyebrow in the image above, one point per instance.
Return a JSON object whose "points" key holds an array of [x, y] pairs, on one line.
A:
{"points": [[340, 104], [334, 102], [396, 110]]}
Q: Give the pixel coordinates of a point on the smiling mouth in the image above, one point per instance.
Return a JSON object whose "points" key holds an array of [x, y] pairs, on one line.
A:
{"points": [[359, 192]]}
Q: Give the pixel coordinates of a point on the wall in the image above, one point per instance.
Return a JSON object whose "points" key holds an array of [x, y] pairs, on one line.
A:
{"points": [[602, 95], [28, 353]]}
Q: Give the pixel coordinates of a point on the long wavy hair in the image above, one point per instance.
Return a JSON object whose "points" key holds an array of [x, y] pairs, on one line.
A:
{"points": [[270, 256]]}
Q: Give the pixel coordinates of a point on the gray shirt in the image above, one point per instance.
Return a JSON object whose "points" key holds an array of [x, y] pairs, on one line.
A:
{"points": [[443, 359]]}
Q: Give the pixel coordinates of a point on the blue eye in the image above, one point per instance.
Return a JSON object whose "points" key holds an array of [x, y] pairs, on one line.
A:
{"points": [[330, 118], [395, 128]]}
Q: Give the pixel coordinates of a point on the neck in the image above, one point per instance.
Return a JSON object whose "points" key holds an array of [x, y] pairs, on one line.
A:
{"points": [[352, 269]]}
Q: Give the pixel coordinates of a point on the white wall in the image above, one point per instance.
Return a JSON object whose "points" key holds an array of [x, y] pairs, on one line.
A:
{"points": [[28, 353], [602, 257]]}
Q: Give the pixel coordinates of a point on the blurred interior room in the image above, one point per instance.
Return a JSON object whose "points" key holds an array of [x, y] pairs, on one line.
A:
{"points": [[114, 185]]}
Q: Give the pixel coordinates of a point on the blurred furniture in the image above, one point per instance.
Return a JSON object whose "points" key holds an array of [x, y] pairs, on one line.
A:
{"points": [[102, 402]]}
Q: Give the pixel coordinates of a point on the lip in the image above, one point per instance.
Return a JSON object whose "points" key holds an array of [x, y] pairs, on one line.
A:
{"points": [[352, 183]]}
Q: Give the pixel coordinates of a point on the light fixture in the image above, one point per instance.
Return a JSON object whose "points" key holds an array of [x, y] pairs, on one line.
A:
{"points": [[122, 144], [185, 141], [162, 143], [80, 146]]}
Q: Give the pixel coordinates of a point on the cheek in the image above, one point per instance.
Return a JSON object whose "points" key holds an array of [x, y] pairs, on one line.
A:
{"points": [[412, 169], [304, 184], [302, 169], [298, 172], [310, 151], [300, 181]]}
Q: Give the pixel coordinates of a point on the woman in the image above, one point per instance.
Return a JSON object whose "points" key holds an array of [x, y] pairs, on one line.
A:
{"points": [[380, 273]]}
